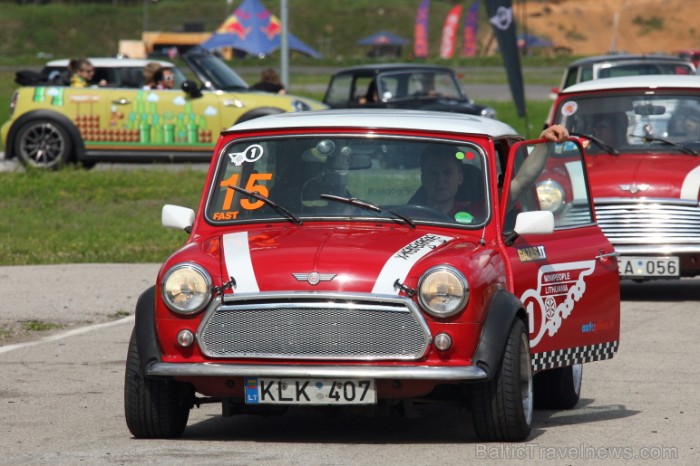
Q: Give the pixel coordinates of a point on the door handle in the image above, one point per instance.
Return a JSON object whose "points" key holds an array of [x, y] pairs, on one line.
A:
{"points": [[121, 101]]}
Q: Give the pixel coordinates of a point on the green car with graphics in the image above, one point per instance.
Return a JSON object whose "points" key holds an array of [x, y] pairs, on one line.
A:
{"points": [[52, 125]]}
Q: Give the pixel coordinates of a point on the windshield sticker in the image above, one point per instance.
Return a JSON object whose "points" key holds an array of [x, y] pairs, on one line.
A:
{"points": [[530, 254], [569, 108], [250, 154], [251, 186], [559, 288], [401, 262], [464, 217]]}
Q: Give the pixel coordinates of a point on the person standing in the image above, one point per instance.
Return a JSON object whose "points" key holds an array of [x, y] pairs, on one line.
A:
{"points": [[269, 82]]}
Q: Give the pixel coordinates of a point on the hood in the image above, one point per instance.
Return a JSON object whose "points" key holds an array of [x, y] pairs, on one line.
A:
{"points": [[674, 176], [336, 259]]}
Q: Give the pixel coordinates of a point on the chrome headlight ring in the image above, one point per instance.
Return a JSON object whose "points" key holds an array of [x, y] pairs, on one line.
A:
{"points": [[443, 291], [186, 288]]}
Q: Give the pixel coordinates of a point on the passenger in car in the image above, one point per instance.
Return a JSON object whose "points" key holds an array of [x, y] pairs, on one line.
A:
{"points": [[443, 178], [148, 74], [164, 78], [82, 73]]}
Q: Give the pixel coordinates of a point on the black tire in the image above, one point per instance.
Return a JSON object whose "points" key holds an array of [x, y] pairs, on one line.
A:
{"points": [[43, 144], [558, 388], [154, 408], [502, 407]]}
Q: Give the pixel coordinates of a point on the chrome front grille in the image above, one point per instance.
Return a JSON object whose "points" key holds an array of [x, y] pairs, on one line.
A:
{"points": [[314, 326], [649, 221]]}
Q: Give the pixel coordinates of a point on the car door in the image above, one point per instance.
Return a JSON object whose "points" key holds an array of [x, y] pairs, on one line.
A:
{"points": [[157, 120], [567, 280]]}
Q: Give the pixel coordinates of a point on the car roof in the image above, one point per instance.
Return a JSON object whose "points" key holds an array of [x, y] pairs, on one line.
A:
{"points": [[380, 118], [642, 81], [103, 62], [393, 67], [627, 57]]}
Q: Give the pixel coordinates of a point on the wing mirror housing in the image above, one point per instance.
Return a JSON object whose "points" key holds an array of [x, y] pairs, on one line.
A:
{"points": [[177, 217], [537, 222], [191, 88]]}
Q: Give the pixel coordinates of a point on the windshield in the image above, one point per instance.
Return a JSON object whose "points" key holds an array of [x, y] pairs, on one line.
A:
{"points": [[634, 122], [313, 178], [214, 73], [403, 85]]}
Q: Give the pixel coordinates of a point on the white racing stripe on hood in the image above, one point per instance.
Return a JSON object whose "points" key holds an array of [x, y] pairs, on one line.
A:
{"points": [[691, 185], [239, 265], [401, 262]]}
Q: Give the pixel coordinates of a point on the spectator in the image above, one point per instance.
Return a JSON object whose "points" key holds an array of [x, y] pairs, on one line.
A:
{"points": [[82, 73], [269, 82]]}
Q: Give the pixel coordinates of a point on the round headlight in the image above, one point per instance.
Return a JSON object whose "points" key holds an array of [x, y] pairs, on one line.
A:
{"points": [[443, 291], [186, 288], [551, 195]]}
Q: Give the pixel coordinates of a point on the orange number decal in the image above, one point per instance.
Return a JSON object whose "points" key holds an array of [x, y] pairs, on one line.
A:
{"points": [[256, 188], [228, 200], [250, 186]]}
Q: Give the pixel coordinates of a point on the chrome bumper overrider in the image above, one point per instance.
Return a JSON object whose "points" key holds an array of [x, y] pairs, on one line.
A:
{"points": [[162, 369]]}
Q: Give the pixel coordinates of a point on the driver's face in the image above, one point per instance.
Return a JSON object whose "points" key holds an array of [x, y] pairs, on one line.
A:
{"points": [[441, 178]]}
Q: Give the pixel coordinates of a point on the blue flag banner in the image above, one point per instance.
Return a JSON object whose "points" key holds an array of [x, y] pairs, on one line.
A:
{"points": [[503, 24], [420, 31], [471, 24]]}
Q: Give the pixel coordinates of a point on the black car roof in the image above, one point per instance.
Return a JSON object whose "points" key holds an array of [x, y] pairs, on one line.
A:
{"points": [[626, 57], [379, 67]]}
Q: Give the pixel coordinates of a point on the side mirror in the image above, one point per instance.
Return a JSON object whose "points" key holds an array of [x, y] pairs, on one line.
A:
{"points": [[180, 218], [538, 222], [191, 88]]}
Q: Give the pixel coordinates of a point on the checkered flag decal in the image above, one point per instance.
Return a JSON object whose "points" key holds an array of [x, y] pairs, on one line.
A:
{"points": [[571, 356]]}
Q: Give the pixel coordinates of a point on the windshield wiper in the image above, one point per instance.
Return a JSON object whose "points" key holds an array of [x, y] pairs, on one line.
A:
{"points": [[367, 206], [650, 138], [598, 142], [278, 208]]}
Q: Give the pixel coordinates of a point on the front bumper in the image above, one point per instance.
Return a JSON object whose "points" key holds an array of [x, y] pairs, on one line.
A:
{"points": [[460, 373]]}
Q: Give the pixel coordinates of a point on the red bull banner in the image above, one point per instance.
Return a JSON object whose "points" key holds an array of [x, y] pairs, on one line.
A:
{"points": [[420, 31], [471, 24], [449, 32]]}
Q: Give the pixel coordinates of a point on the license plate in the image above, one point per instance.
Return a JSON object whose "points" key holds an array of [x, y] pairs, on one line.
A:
{"points": [[260, 390], [649, 266]]}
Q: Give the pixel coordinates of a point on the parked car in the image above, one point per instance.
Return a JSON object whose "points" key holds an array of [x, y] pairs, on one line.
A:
{"points": [[692, 55], [617, 65], [642, 156], [404, 86], [52, 125], [313, 275]]}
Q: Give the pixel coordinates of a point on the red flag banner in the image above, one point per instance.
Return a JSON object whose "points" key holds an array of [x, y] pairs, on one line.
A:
{"points": [[449, 32], [420, 31]]}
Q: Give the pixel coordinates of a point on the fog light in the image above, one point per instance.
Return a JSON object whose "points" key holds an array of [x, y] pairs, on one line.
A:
{"points": [[443, 341], [185, 338]]}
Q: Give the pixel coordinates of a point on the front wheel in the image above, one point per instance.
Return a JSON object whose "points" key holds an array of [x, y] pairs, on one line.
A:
{"points": [[153, 408], [43, 143], [502, 407], [558, 388]]}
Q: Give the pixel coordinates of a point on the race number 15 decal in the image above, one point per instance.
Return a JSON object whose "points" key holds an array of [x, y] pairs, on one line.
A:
{"points": [[251, 186]]}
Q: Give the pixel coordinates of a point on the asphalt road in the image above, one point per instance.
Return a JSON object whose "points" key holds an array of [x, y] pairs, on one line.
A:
{"points": [[61, 394]]}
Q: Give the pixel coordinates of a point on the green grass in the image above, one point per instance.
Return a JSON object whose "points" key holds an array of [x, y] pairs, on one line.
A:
{"points": [[39, 326], [81, 216]]}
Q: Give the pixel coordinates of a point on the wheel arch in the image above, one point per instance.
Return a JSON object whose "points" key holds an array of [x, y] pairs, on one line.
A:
{"points": [[145, 327], [503, 309], [73, 132]]}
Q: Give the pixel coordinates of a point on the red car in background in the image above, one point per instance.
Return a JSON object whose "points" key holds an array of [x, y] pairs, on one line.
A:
{"points": [[642, 138], [317, 273]]}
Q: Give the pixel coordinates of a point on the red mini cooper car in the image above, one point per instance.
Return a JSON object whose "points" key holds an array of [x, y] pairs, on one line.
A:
{"points": [[362, 259], [643, 156]]}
